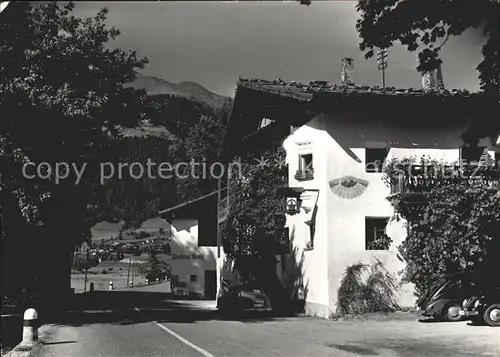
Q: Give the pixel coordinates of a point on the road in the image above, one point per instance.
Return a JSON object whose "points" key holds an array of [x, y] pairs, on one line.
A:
{"points": [[145, 323]]}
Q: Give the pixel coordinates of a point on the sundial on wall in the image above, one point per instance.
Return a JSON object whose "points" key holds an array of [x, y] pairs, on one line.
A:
{"points": [[348, 187]]}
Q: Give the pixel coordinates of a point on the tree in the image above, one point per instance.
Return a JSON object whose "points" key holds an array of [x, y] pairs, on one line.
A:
{"points": [[453, 225], [253, 232], [253, 220], [63, 100], [427, 25], [155, 268]]}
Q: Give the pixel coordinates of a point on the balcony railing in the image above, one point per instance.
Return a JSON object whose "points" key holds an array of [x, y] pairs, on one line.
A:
{"points": [[419, 179], [304, 175]]}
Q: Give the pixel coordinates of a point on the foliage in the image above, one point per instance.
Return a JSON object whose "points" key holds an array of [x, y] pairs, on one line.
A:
{"points": [[62, 80], [166, 249], [376, 293], [381, 243], [418, 24], [253, 235], [130, 199], [84, 263], [456, 227], [63, 99], [253, 222], [155, 268], [427, 25]]}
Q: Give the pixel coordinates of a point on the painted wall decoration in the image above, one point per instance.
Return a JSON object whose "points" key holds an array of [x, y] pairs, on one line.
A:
{"points": [[348, 187]]}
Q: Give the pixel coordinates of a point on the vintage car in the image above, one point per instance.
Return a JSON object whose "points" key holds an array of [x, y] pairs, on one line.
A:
{"points": [[241, 298], [443, 299], [483, 307]]}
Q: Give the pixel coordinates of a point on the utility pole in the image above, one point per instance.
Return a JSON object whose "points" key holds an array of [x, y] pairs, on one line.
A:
{"points": [[382, 63], [86, 270], [133, 271], [218, 223]]}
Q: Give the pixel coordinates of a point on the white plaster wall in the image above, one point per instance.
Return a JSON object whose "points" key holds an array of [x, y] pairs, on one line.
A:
{"points": [[314, 262], [338, 146], [185, 242]]}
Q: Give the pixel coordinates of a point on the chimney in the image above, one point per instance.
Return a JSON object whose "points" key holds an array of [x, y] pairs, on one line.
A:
{"points": [[432, 81], [347, 71]]}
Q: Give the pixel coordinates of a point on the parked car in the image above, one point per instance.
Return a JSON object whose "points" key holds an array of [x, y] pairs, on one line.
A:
{"points": [[483, 306], [242, 297], [443, 300], [180, 289]]}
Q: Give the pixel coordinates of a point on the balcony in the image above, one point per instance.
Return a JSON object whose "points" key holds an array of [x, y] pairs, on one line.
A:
{"points": [[418, 179], [304, 174]]}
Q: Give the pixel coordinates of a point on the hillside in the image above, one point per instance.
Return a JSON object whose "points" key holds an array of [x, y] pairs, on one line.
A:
{"points": [[187, 89]]}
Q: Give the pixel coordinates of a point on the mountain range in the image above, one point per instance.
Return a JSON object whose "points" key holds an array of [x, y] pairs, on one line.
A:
{"points": [[187, 89]]}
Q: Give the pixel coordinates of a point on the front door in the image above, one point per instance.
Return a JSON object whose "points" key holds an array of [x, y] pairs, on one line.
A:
{"points": [[210, 284]]}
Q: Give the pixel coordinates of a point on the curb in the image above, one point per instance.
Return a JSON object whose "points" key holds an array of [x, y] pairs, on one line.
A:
{"points": [[29, 351]]}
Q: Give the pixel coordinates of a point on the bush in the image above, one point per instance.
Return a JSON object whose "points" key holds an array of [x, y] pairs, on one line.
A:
{"points": [[155, 268], [141, 234], [104, 271], [454, 225], [381, 243], [375, 294]]}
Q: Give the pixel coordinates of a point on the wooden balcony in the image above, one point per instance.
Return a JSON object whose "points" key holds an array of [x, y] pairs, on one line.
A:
{"points": [[418, 179]]}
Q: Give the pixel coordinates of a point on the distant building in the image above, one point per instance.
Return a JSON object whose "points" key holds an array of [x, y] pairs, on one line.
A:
{"points": [[193, 259], [337, 139]]}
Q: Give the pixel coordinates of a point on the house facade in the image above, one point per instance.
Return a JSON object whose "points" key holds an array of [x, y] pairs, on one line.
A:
{"points": [[194, 258], [337, 139], [352, 205]]}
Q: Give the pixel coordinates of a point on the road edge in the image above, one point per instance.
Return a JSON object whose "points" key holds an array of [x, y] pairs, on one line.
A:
{"points": [[29, 351]]}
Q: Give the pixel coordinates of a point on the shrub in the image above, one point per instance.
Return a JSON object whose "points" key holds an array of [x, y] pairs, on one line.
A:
{"points": [[104, 271], [381, 243], [454, 222], [155, 268], [375, 294]]}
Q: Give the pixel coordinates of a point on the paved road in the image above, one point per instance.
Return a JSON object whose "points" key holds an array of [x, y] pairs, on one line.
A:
{"points": [[146, 324]]}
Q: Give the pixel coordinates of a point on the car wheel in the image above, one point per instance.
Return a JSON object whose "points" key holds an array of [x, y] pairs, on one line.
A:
{"points": [[492, 315], [451, 312]]}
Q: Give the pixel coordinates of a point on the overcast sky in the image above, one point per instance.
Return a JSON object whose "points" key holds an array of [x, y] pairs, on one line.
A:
{"points": [[213, 43]]}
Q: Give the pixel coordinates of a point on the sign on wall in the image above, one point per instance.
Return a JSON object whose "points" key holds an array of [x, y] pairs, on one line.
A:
{"points": [[188, 257], [348, 187]]}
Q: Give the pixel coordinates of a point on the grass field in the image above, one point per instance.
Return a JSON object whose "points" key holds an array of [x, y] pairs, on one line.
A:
{"points": [[115, 272], [106, 230]]}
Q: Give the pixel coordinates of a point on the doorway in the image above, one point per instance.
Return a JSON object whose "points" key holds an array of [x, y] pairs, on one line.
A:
{"points": [[210, 284]]}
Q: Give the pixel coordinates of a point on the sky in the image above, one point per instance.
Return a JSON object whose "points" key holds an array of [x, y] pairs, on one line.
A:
{"points": [[215, 43]]}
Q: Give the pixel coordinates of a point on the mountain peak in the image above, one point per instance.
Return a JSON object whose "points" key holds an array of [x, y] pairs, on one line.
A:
{"points": [[188, 89]]}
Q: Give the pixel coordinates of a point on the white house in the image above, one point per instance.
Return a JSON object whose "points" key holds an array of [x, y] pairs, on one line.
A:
{"points": [[345, 133], [194, 258]]}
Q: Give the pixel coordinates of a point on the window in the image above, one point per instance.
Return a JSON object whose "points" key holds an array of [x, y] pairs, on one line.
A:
{"points": [[305, 162], [471, 154], [193, 278], [306, 170], [376, 239], [265, 122], [375, 159]]}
